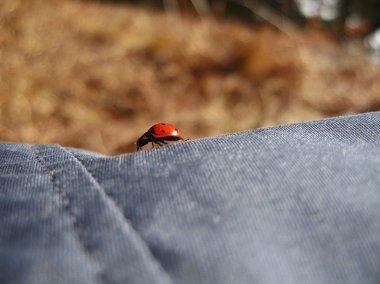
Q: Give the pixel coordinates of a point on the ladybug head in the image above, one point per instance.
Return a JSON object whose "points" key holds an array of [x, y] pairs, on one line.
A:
{"points": [[143, 140]]}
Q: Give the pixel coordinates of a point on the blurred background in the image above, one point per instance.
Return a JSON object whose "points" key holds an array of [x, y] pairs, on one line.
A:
{"points": [[97, 74]]}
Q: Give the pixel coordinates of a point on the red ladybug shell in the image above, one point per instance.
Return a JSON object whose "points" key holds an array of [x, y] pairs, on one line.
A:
{"points": [[162, 130]]}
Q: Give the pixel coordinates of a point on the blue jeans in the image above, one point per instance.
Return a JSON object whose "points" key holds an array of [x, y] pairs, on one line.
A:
{"points": [[291, 204]]}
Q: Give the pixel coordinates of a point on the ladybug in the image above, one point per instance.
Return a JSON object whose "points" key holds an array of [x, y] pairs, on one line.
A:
{"points": [[159, 134]]}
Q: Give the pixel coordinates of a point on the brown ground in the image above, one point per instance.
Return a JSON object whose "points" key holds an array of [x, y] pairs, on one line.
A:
{"points": [[97, 76]]}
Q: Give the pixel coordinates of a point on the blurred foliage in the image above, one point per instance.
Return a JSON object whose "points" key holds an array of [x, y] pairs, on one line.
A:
{"points": [[367, 9], [96, 74], [247, 10]]}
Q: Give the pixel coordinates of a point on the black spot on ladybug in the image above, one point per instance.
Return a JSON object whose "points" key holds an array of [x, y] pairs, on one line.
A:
{"points": [[162, 131], [163, 123]]}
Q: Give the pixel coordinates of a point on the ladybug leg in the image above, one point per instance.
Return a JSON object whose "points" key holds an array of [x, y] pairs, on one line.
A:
{"points": [[160, 143], [156, 143]]}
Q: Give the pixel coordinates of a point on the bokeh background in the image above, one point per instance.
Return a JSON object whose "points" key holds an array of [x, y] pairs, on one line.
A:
{"points": [[97, 74]]}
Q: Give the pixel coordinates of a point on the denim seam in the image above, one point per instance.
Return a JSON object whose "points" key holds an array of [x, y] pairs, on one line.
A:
{"points": [[126, 220], [66, 205]]}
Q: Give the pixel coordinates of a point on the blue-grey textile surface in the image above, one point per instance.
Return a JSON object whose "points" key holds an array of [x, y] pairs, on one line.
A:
{"points": [[291, 204]]}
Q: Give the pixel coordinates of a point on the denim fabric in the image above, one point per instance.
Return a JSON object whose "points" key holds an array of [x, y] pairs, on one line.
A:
{"points": [[291, 204]]}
